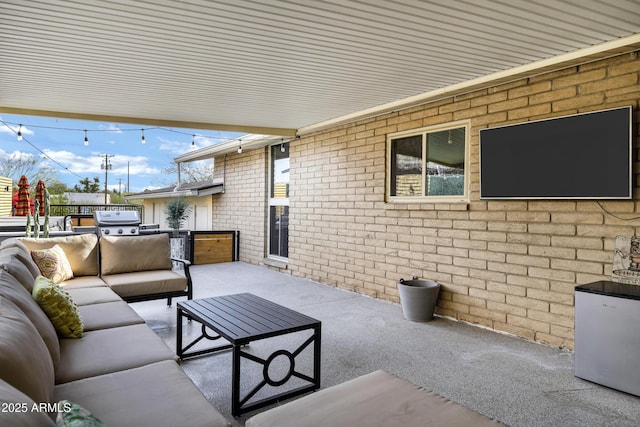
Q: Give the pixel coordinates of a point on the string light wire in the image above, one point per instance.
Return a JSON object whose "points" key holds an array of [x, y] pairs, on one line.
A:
{"points": [[39, 150], [136, 129], [20, 135]]}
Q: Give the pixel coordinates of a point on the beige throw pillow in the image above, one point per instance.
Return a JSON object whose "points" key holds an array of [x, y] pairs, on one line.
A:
{"points": [[53, 264]]}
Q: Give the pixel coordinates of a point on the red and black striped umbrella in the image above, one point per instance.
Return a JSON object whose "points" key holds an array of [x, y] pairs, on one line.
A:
{"points": [[40, 187], [23, 207]]}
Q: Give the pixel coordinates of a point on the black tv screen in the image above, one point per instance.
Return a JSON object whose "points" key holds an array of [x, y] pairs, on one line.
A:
{"points": [[583, 156]]}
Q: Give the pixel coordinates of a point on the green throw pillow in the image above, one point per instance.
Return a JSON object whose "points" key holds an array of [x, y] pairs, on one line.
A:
{"points": [[74, 415], [59, 307]]}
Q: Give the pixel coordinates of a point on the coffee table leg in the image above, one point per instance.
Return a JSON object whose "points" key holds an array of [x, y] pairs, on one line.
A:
{"points": [[239, 406], [316, 355], [179, 333], [235, 381]]}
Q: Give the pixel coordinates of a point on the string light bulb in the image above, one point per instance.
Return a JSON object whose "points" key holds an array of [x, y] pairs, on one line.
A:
{"points": [[282, 149], [193, 140], [86, 138], [20, 133], [240, 147], [142, 140]]}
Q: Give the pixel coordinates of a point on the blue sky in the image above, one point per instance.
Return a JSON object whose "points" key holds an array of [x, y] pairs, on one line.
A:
{"points": [[62, 140]]}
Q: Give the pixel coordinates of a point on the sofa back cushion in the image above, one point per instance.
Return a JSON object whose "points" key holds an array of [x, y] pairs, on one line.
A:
{"points": [[25, 362], [22, 254], [134, 253], [12, 264], [16, 293], [17, 409], [81, 251]]}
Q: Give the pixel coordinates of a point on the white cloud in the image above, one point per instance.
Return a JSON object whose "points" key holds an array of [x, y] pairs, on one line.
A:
{"points": [[141, 188], [120, 164], [174, 147], [110, 127], [16, 154], [183, 146]]}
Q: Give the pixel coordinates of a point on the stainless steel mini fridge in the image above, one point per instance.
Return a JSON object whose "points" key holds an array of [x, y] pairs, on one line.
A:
{"points": [[607, 335]]}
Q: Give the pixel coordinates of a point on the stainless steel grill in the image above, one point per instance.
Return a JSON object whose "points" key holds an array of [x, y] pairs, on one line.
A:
{"points": [[117, 223]]}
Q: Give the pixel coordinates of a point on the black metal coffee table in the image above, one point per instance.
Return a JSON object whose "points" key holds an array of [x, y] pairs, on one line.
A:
{"points": [[240, 319]]}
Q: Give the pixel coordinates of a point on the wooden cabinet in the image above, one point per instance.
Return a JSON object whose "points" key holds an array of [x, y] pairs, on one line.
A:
{"points": [[214, 247]]}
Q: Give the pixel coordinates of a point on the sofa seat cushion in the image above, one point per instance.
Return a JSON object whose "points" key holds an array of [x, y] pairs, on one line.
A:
{"points": [[95, 295], [146, 282], [17, 409], [83, 282], [110, 350], [378, 399], [25, 362], [134, 253], [14, 291], [108, 315], [158, 394], [81, 251]]}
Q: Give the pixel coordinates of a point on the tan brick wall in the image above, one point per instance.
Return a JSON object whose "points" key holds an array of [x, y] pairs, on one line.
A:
{"points": [[507, 265], [243, 204]]}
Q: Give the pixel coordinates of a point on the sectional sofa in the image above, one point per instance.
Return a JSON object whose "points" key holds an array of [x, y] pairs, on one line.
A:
{"points": [[116, 369], [137, 268]]}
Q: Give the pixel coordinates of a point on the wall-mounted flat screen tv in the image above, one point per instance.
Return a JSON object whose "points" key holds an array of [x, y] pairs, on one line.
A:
{"points": [[582, 156]]}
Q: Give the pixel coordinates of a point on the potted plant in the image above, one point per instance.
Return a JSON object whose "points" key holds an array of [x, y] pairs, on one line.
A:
{"points": [[418, 298], [177, 211]]}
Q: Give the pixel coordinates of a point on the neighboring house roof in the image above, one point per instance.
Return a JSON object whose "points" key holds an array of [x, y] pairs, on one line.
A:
{"points": [[186, 189], [87, 198]]}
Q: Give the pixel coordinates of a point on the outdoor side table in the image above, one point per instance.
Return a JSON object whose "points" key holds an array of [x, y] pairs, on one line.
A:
{"points": [[241, 319]]}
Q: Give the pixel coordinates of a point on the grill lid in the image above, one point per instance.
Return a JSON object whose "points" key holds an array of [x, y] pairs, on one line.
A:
{"points": [[110, 218]]}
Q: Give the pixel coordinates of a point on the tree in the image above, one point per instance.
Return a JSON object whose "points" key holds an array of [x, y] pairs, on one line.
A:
{"points": [[17, 164], [59, 199], [201, 170], [56, 187], [117, 198], [56, 190], [88, 186]]}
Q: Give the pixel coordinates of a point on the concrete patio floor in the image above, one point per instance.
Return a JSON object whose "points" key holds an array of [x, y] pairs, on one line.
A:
{"points": [[518, 382]]}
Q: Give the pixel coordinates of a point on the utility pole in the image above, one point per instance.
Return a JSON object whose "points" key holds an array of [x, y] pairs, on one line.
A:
{"points": [[106, 165]]}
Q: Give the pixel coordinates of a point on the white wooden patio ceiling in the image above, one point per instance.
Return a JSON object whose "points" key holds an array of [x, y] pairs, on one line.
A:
{"points": [[277, 66]]}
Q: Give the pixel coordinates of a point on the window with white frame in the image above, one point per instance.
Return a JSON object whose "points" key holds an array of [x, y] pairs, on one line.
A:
{"points": [[428, 163]]}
